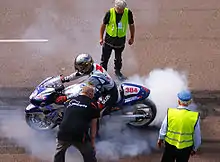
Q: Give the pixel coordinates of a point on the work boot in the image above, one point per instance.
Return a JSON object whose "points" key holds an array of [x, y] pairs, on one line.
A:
{"points": [[120, 75]]}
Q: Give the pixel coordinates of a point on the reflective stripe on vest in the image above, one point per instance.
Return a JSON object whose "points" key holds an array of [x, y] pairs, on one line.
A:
{"points": [[119, 30], [181, 123]]}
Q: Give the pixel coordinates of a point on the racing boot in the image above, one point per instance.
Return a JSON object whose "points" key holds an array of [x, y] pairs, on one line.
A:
{"points": [[59, 118], [108, 110], [115, 109], [119, 75]]}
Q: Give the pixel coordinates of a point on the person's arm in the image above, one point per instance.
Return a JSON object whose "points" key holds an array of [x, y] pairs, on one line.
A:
{"points": [[72, 77], [131, 26], [93, 131], [102, 30], [63, 98], [95, 116], [132, 31], [163, 129], [92, 81], [103, 26], [197, 136], [162, 132]]}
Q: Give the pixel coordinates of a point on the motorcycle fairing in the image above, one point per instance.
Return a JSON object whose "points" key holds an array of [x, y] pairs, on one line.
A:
{"points": [[42, 96], [131, 93], [33, 108]]}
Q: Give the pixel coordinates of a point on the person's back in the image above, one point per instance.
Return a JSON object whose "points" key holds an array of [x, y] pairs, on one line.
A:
{"points": [[77, 118], [100, 79], [80, 116], [181, 125], [179, 117], [180, 131]]}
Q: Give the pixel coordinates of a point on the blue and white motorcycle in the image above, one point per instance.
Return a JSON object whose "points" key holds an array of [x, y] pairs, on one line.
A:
{"points": [[43, 114]]}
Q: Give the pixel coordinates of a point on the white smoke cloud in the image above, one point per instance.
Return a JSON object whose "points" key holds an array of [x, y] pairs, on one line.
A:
{"points": [[164, 85], [39, 144], [76, 30], [119, 140]]}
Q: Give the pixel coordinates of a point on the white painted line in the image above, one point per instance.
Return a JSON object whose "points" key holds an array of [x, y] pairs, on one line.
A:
{"points": [[22, 40]]}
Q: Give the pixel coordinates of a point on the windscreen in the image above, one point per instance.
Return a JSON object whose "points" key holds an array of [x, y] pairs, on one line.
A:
{"points": [[51, 82]]}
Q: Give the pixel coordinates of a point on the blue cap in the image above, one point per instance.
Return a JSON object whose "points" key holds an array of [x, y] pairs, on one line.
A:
{"points": [[185, 95]]}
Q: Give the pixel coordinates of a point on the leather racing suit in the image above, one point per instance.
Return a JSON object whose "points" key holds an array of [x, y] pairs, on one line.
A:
{"points": [[102, 81]]}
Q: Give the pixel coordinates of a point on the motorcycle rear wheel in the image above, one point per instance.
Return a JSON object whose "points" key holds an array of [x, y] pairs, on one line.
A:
{"points": [[146, 108]]}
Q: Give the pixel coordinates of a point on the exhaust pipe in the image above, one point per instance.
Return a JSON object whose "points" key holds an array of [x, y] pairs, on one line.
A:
{"points": [[135, 116]]}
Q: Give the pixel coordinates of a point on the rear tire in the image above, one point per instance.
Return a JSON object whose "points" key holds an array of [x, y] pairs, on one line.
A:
{"points": [[145, 107]]}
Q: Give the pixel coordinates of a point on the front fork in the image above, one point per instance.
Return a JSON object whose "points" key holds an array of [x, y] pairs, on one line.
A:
{"points": [[53, 115]]}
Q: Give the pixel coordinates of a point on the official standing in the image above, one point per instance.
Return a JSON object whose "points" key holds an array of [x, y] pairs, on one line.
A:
{"points": [[80, 115], [116, 22], [180, 131]]}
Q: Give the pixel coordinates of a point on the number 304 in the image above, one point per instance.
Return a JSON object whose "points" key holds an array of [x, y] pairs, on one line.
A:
{"points": [[131, 90]]}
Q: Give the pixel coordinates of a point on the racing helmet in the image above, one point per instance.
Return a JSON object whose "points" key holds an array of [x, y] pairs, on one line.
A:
{"points": [[83, 63]]}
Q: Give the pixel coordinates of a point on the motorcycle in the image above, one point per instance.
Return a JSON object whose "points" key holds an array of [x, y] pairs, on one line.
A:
{"points": [[43, 114]]}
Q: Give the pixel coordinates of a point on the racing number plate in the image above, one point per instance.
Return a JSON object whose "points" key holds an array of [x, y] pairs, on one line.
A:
{"points": [[130, 90]]}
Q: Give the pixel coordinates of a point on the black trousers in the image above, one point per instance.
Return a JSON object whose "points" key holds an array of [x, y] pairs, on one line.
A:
{"points": [[106, 54], [85, 149], [172, 154]]}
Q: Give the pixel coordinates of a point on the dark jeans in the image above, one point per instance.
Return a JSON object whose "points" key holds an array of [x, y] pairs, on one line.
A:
{"points": [[172, 154], [106, 54], [85, 149]]}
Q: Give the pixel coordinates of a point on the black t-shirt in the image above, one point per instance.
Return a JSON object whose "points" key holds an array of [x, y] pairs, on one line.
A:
{"points": [[116, 41], [77, 119]]}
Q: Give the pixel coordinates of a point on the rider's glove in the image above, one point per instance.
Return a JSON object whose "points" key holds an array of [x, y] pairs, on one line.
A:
{"points": [[63, 79], [60, 99], [67, 78]]}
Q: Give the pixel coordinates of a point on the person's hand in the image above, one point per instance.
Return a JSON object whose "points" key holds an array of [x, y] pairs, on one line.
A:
{"points": [[193, 153], [93, 142], [101, 41], [131, 41], [62, 78], [160, 143]]}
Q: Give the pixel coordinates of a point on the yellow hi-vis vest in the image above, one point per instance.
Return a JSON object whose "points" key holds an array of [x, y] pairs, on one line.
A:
{"points": [[181, 124], [119, 30]]}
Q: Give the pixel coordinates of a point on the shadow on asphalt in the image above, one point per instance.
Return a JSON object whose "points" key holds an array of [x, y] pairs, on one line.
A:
{"points": [[208, 104], [210, 146]]}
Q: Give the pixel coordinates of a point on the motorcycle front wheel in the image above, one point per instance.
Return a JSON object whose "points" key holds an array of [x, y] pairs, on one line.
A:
{"points": [[39, 122]]}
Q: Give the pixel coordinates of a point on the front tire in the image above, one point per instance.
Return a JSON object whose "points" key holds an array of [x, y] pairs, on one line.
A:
{"points": [[39, 122], [145, 107]]}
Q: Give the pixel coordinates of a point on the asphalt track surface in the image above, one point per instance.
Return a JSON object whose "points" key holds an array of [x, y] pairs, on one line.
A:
{"points": [[183, 35], [12, 102]]}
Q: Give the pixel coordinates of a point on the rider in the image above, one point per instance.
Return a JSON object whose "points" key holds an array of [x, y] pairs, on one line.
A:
{"points": [[98, 77]]}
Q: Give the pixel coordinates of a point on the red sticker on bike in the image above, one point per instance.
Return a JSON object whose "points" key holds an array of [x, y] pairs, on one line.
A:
{"points": [[100, 68]]}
